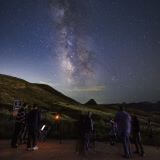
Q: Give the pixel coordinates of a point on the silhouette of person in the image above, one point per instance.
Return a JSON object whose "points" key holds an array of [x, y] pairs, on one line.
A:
{"points": [[19, 125], [33, 123], [136, 135], [123, 120]]}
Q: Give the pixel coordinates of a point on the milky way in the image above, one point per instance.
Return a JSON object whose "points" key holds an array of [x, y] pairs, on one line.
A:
{"points": [[102, 49], [73, 46]]}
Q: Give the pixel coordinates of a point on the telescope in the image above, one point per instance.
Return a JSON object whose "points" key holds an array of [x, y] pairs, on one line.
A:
{"points": [[44, 131], [43, 127]]}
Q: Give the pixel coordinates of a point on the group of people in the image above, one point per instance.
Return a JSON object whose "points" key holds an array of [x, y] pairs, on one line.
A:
{"points": [[127, 128], [27, 124], [123, 127]]}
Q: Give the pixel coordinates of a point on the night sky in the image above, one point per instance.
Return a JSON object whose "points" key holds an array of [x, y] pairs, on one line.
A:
{"points": [[108, 50]]}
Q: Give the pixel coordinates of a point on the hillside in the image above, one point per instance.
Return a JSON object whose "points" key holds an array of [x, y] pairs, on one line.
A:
{"points": [[14, 88], [52, 101]]}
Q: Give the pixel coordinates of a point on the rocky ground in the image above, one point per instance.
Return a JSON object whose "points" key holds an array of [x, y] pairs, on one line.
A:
{"points": [[52, 150]]}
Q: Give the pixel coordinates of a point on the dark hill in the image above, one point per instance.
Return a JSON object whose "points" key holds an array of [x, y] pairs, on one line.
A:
{"points": [[44, 96], [55, 92], [12, 88], [91, 102]]}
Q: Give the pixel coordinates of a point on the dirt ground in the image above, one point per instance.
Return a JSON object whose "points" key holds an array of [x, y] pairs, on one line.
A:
{"points": [[52, 150]]}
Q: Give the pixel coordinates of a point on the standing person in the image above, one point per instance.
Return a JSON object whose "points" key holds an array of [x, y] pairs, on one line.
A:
{"points": [[113, 132], [88, 129], [80, 145], [149, 129], [150, 133], [23, 132], [137, 136], [33, 123], [123, 120], [19, 125]]}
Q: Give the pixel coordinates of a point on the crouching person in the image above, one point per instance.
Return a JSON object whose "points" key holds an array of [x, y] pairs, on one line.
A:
{"points": [[33, 120], [136, 135]]}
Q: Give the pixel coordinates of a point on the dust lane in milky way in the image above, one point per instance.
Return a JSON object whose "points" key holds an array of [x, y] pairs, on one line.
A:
{"points": [[74, 52]]}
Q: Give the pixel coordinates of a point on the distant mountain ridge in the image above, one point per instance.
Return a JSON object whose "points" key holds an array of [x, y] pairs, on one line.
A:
{"points": [[91, 102], [143, 106], [12, 88]]}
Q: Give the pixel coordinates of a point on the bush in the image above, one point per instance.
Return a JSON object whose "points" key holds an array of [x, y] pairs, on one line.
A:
{"points": [[6, 125]]}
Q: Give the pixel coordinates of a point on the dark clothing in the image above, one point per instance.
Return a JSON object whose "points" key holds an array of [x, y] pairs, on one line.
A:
{"points": [[138, 142], [136, 135], [33, 124], [149, 130], [21, 118], [123, 121], [88, 126], [113, 133], [80, 126], [135, 125], [33, 119], [126, 145], [32, 138], [88, 130], [19, 125], [23, 134], [17, 130]]}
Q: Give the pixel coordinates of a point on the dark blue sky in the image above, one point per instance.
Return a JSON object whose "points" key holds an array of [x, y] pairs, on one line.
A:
{"points": [[108, 50]]}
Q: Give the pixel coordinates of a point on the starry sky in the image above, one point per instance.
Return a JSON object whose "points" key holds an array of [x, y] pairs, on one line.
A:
{"points": [[108, 50]]}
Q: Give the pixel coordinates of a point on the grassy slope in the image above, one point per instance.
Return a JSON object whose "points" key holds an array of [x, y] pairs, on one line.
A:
{"points": [[13, 88], [43, 95]]}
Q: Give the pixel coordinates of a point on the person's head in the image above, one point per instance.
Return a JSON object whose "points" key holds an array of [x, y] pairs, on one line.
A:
{"points": [[35, 106], [111, 121], [121, 108], [90, 114]]}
